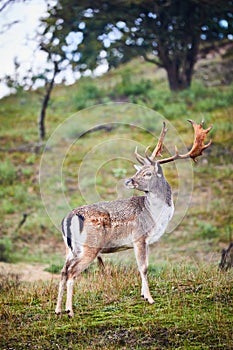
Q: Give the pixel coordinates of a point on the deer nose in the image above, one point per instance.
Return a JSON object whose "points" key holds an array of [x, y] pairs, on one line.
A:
{"points": [[129, 182]]}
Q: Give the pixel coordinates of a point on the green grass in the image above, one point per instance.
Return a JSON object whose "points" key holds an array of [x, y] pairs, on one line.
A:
{"points": [[7, 173], [192, 310], [6, 249]]}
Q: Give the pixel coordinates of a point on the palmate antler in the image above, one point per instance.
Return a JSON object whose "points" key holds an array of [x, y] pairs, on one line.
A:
{"points": [[196, 150], [156, 152]]}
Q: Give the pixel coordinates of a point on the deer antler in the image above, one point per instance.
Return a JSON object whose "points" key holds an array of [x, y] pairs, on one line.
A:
{"points": [[196, 150], [156, 152], [198, 144]]}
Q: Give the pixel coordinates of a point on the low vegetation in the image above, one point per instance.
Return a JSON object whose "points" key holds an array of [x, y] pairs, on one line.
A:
{"points": [[193, 308]]}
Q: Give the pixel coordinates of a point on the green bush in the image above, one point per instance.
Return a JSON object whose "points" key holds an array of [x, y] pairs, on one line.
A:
{"points": [[206, 230], [159, 98], [8, 207], [7, 173], [31, 159], [206, 99], [21, 194], [119, 172], [175, 110], [54, 268], [87, 94], [127, 87], [6, 250]]}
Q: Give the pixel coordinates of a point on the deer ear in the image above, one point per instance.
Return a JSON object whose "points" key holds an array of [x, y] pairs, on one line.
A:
{"points": [[157, 170], [137, 167]]}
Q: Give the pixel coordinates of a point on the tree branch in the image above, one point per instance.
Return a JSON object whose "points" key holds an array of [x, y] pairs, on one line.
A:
{"points": [[46, 101], [6, 4], [151, 60], [7, 26], [33, 147]]}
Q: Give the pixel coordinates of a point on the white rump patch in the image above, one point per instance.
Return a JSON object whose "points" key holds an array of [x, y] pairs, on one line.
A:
{"points": [[77, 238]]}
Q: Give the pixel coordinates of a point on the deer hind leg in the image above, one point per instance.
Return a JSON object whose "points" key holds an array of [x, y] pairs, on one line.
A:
{"points": [[77, 266], [61, 289], [100, 263], [141, 254]]}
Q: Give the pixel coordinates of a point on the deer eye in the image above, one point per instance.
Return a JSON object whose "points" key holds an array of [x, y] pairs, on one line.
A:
{"points": [[148, 174]]}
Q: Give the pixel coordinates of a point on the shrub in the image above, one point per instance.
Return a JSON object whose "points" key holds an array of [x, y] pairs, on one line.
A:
{"points": [[6, 250], [7, 173], [87, 95], [8, 207], [119, 172], [207, 230], [54, 268], [175, 110], [129, 88]]}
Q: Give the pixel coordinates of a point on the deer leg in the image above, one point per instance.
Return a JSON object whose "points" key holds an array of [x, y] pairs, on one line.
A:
{"points": [[100, 263], [78, 265], [61, 288], [141, 254], [69, 297]]}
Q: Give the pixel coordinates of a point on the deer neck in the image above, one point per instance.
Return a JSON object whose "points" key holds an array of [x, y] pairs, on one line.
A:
{"points": [[159, 198], [159, 205]]}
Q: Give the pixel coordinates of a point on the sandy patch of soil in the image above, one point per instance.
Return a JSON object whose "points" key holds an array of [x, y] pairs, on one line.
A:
{"points": [[28, 272]]}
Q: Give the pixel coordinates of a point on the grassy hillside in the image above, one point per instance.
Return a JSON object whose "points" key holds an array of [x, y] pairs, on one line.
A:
{"points": [[193, 300]]}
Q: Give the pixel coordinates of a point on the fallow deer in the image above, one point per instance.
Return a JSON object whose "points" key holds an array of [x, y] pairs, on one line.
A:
{"points": [[136, 222]]}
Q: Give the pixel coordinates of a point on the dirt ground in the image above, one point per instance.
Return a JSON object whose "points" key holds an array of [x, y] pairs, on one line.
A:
{"points": [[28, 272]]}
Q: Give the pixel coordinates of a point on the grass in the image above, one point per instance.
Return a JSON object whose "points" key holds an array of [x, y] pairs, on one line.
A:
{"points": [[192, 310], [7, 173]]}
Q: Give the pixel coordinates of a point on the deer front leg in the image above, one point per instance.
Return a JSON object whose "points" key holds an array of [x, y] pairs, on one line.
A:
{"points": [[141, 254]]}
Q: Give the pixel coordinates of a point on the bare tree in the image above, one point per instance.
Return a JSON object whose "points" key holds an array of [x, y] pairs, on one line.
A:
{"points": [[48, 90]]}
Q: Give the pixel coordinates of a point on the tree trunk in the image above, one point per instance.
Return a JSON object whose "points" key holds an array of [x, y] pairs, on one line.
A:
{"points": [[180, 68], [45, 103], [179, 77]]}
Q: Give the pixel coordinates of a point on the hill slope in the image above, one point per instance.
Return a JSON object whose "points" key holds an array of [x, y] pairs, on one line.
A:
{"points": [[208, 219], [193, 308]]}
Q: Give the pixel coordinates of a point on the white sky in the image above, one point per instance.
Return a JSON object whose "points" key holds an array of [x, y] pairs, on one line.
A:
{"points": [[19, 41]]}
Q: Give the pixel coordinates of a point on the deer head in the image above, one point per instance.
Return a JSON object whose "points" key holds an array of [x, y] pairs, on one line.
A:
{"points": [[150, 173], [146, 177]]}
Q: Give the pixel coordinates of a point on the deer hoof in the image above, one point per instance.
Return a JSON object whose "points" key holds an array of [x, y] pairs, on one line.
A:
{"points": [[70, 313], [149, 300], [58, 311]]}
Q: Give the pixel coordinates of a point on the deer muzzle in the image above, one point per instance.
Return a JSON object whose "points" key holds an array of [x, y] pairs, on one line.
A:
{"points": [[130, 183]]}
